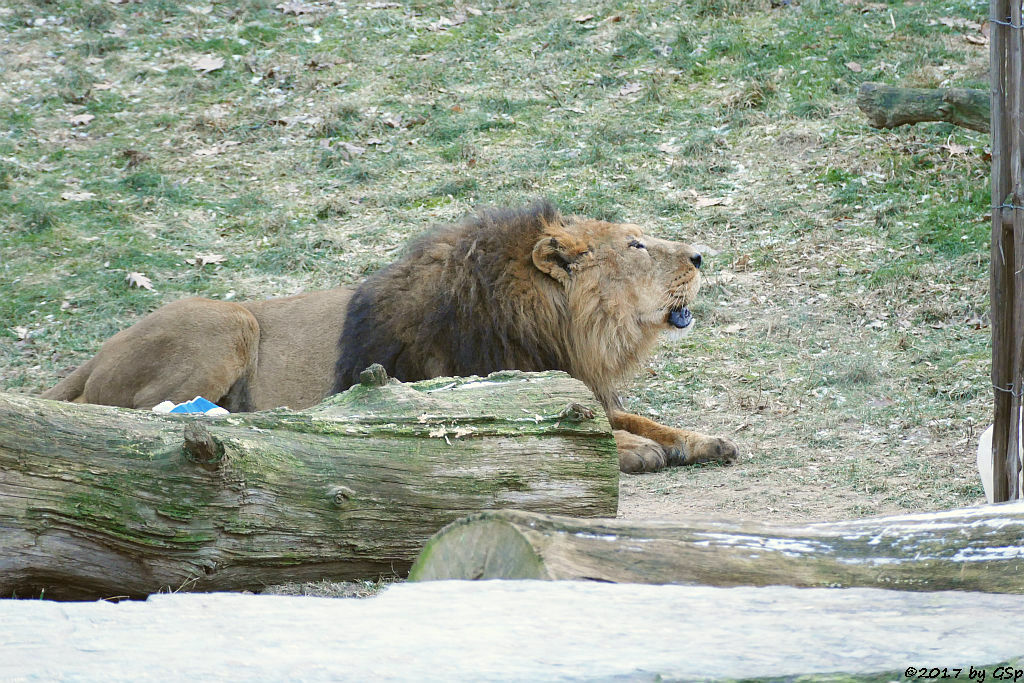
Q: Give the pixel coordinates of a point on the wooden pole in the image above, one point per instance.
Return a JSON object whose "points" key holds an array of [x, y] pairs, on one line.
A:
{"points": [[1015, 94], [1002, 257]]}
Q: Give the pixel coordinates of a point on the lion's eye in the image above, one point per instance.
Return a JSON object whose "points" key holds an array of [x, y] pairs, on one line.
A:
{"points": [[637, 244]]}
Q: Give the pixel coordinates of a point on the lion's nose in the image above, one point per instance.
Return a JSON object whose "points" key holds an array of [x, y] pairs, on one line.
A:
{"points": [[696, 260]]}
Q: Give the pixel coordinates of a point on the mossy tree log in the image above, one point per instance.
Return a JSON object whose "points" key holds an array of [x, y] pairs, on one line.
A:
{"points": [[977, 549], [98, 501], [887, 106]]}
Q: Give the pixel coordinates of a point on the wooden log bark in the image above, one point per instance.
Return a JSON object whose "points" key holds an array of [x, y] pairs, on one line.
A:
{"points": [[887, 106], [98, 501], [979, 549]]}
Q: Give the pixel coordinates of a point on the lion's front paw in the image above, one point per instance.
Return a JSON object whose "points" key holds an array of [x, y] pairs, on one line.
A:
{"points": [[694, 448], [638, 454]]}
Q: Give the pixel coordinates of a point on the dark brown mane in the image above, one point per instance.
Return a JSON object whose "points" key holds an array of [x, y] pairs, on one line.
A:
{"points": [[446, 307]]}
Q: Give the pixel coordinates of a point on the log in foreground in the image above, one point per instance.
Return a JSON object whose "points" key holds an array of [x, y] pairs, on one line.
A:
{"points": [[977, 549], [888, 107], [98, 501]]}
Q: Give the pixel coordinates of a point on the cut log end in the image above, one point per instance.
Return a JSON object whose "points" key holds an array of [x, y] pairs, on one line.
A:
{"points": [[478, 548]]}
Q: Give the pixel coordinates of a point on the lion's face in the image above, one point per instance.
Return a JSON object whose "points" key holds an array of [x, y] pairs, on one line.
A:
{"points": [[622, 288], [649, 279]]}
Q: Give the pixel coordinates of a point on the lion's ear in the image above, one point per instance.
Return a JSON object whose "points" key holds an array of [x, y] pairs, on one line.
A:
{"points": [[555, 255]]}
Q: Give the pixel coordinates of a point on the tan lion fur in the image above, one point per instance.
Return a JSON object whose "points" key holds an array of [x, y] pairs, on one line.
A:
{"points": [[528, 290]]}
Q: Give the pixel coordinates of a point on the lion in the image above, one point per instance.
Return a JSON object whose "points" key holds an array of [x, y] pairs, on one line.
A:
{"points": [[528, 289]]}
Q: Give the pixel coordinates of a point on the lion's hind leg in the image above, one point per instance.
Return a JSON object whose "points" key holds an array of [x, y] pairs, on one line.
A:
{"points": [[193, 347]]}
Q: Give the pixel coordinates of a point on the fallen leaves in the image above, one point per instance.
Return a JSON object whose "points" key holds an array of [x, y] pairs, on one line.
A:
{"points": [[135, 279], [81, 119], [215, 149], [207, 63], [955, 149], [705, 202], [458, 19], [349, 151], [206, 259], [297, 8], [629, 89], [854, 67], [977, 34], [77, 196], [959, 22]]}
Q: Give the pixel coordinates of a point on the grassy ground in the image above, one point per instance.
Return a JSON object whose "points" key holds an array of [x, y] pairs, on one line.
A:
{"points": [[254, 149]]}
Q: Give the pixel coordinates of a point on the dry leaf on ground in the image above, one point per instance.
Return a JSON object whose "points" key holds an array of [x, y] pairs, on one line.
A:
{"points": [[629, 89], [959, 22], [81, 119], [704, 202], [206, 259], [208, 63], [348, 150], [854, 67], [72, 196], [139, 280], [297, 8], [956, 150], [216, 149]]}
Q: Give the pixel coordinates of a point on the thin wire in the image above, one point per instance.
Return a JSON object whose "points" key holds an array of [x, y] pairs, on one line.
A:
{"points": [[1015, 394], [1008, 205], [1007, 22]]}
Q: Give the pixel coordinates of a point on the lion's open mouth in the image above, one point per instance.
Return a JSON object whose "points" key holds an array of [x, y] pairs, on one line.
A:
{"points": [[680, 318]]}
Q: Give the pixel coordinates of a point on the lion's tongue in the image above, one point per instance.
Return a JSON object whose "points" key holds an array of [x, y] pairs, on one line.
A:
{"points": [[680, 318]]}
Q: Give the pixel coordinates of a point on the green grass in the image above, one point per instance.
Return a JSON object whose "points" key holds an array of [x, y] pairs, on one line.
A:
{"points": [[851, 262]]}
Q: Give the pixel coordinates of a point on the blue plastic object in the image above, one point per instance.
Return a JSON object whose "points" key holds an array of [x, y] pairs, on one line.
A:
{"points": [[196, 405]]}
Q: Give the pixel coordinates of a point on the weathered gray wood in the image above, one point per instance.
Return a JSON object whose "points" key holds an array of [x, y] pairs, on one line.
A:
{"points": [[1003, 259], [887, 106], [513, 631], [98, 501], [978, 548]]}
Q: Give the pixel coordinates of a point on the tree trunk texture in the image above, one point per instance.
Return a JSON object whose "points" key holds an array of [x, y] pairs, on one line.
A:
{"points": [[888, 107], [98, 501], [976, 549]]}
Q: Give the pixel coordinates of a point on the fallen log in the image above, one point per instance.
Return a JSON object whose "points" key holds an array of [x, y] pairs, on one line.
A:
{"points": [[98, 501], [979, 549], [887, 106]]}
